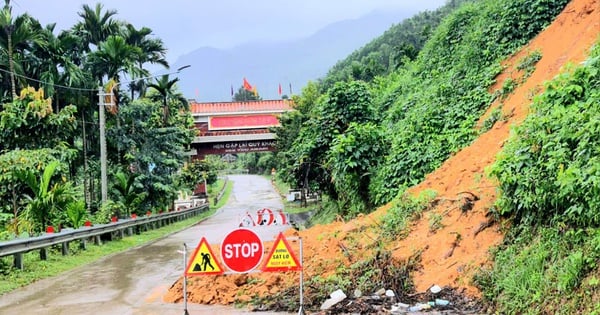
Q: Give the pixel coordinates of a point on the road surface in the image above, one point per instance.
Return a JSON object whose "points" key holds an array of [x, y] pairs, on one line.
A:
{"points": [[133, 282]]}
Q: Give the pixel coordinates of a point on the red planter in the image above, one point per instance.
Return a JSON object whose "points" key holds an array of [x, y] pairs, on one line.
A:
{"points": [[114, 219]]}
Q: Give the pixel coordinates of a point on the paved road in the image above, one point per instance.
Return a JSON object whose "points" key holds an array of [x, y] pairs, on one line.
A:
{"points": [[134, 282]]}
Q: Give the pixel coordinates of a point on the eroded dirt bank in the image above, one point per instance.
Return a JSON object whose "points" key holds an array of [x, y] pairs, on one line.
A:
{"points": [[450, 255]]}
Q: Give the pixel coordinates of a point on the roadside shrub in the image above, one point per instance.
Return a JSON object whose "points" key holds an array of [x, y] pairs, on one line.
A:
{"points": [[549, 171]]}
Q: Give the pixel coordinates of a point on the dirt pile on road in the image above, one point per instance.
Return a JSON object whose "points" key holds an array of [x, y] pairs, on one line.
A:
{"points": [[451, 254]]}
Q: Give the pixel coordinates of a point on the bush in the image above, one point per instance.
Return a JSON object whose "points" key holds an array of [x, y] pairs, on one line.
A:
{"points": [[549, 171]]}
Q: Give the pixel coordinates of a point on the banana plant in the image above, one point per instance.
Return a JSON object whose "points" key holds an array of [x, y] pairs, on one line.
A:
{"points": [[47, 200]]}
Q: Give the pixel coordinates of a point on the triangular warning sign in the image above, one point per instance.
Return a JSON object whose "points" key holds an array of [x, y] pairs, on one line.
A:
{"points": [[282, 257], [203, 261]]}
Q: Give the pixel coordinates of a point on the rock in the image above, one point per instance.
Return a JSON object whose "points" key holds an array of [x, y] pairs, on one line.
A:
{"points": [[336, 297], [357, 293], [389, 293], [380, 292], [435, 289]]}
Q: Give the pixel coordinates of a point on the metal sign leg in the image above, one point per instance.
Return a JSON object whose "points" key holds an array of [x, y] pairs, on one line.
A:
{"points": [[185, 310], [301, 309]]}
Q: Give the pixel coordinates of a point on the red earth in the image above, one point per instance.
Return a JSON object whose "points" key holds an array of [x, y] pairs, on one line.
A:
{"points": [[451, 254]]}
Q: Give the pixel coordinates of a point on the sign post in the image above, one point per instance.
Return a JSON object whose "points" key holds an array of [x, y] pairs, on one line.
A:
{"points": [[185, 310], [241, 250]]}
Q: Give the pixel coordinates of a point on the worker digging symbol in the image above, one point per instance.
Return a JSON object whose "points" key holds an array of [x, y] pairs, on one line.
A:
{"points": [[203, 258], [206, 261]]}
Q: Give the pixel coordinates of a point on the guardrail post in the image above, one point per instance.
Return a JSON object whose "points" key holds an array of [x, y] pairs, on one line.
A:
{"points": [[65, 248], [97, 234], [19, 261], [121, 233]]}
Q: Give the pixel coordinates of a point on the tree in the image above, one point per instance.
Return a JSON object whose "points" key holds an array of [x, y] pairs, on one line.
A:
{"points": [[307, 160], [152, 152], [195, 172], [96, 26], [124, 191], [48, 200], [352, 159], [166, 88], [52, 60], [19, 35], [30, 123], [12, 188], [152, 50], [113, 57], [243, 95]]}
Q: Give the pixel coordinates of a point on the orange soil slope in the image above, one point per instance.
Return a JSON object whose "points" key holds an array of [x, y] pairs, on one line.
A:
{"points": [[450, 255]]}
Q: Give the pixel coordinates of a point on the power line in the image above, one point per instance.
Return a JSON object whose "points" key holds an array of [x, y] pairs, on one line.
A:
{"points": [[86, 89], [47, 83]]}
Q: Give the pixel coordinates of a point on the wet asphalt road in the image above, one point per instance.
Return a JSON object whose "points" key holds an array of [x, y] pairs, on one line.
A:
{"points": [[134, 282]]}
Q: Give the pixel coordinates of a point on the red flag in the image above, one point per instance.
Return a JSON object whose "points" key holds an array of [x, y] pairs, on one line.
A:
{"points": [[279, 89], [247, 85]]}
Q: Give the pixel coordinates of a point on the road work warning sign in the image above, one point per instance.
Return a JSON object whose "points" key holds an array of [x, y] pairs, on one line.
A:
{"points": [[282, 257], [203, 261]]}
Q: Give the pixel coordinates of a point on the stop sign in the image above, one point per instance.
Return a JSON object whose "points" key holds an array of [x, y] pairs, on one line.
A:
{"points": [[241, 250]]}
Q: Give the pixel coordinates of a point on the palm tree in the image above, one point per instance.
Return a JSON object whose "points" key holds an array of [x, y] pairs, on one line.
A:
{"points": [[113, 57], [96, 26], [152, 50], [20, 33], [167, 90], [52, 63]]}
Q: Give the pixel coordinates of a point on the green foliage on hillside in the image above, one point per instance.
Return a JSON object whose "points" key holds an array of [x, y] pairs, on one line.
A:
{"points": [[548, 174], [49, 135], [549, 171], [443, 93], [422, 110], [386, 53]]}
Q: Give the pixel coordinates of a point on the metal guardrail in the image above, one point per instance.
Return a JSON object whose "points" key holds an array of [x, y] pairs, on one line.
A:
{"points": [[19, 246]]}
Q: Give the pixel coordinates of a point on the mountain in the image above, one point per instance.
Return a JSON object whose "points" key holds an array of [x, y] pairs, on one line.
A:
{"points": [[267, 64]]}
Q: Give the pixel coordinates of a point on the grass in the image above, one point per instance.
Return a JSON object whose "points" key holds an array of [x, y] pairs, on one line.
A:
{"points": [[36, 269], [544, 271], [225, 197], [291, 206]]}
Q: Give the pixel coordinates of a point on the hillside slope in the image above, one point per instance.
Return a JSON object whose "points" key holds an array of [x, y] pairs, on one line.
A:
{"points": [[451, 254]]}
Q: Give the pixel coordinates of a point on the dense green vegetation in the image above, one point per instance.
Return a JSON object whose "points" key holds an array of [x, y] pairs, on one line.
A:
{"points": [[416, 113], [362, 142], [390, 51], [549, 177], [49, 144], [36, 269]]}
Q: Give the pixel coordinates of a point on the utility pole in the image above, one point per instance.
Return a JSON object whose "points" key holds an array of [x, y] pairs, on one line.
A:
{"points": [[103, 176], [101, 103]]}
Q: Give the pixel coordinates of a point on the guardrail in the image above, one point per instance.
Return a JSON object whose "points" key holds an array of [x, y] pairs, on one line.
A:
{"points": [[121, 228]]}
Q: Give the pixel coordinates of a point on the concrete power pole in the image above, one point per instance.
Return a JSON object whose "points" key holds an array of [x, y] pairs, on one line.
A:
{"points": [[103, 176]]}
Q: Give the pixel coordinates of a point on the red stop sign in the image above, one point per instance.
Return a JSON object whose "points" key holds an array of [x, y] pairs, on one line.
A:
{"points": [[241, 250]]}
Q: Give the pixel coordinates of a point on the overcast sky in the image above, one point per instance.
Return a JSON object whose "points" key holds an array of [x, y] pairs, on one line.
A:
{"points": [[185, 25]]}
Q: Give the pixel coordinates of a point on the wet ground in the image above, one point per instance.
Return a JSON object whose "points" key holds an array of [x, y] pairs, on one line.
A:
{"points": [[134, 282]]}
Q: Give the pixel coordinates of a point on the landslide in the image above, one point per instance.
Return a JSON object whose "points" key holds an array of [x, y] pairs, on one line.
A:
{"points": [[449, 254]]}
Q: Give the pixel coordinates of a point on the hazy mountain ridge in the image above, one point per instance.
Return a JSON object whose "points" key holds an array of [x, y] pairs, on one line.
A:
{"points": [[268, 64]]}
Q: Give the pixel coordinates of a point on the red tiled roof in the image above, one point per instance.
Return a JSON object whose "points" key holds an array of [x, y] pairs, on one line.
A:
{"points": [[249, 106]]}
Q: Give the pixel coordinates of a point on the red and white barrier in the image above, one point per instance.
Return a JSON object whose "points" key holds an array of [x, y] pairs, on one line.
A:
{"points": [[264, 217]]}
